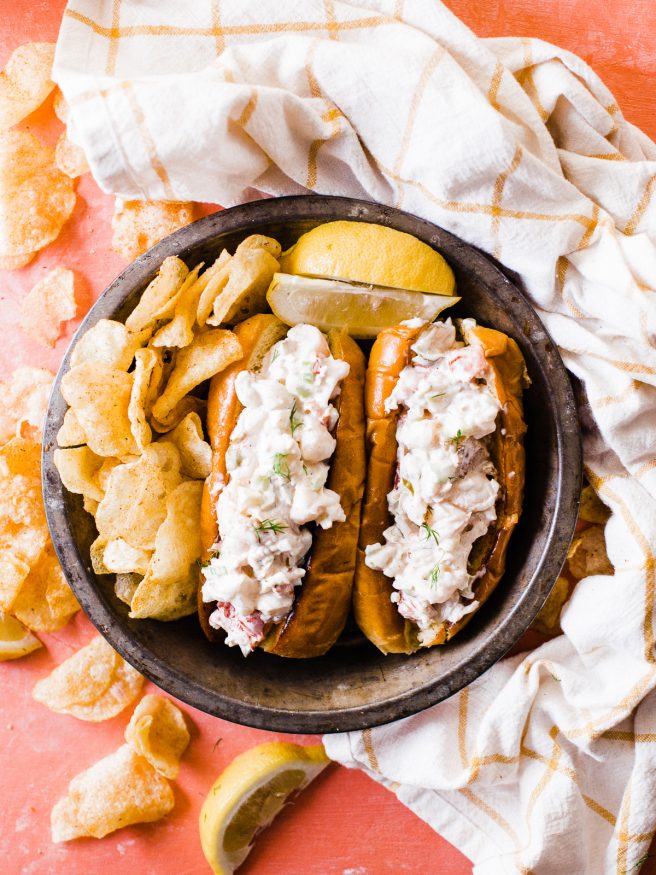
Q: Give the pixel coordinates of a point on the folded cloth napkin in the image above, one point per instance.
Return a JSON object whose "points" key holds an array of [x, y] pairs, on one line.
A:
{"points": [[546, 764]]}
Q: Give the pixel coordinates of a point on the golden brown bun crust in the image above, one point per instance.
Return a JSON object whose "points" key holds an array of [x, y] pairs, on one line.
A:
{"points": [[323, 601], [375, 613]]}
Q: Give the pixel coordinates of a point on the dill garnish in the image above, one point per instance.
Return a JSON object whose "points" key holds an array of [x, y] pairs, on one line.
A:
{"points": [[457, 439], [293, 422], [269, 526], [281, 466], [430, 533]]}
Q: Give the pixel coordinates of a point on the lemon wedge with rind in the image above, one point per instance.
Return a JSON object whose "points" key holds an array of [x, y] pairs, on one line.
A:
{"points": [[16, 640], [248, 794], [367, 253], [363, 310]]}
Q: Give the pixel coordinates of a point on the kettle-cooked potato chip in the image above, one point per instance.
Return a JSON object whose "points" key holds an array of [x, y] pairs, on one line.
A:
{"points": [[189, 404], [24, 399], [71, 433], [100, 396], [195, 452], [126, 586], [158, 299], [45, 602], [134, 505], [121, 789], [96, 555], [210, 283], [168, 590], [107, 343], [94, 684], [13, 574], [23, 527], [138, 225], [36, 198], [145, 367], [548, 620], [179, 332], [70, 158], [210, 353], [49, 303], [15, 262], [120, 558], [592, 509], [22, 455], [158, 732], [61, 107], [587, 554], [78, 468], [25, 82]]}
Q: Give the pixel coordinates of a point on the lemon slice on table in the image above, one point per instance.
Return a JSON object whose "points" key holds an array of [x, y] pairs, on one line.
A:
{"points": [[363, 310], [367, 253], [248, 794], [16, 640]]}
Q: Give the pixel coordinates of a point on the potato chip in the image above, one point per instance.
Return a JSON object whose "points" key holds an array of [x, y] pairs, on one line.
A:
{"points": [[169, 589], [25, 82], [70, 158], [22, 456], [24, 399], [94, 684], [120, 558], [587, 554], [548, 620], [23, 527], [214, 280], [158, 299], [71, 433], [145, 364], [158, 732], [100, 396], [210, 352], [134, 505], [592, 509], [121, 789], [16, 262], [107, 343], [36, 198], [49, 303], [189, 404], [106, 469], [138, 225], [13, 574], [90, 505], [195, 452], [179, 332], [97, 554], [60, 107], [78, 468], [45, 602], [126, 586]]}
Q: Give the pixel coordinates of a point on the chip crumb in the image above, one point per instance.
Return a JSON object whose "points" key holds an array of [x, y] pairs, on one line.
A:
{"points": [[47, 305], [138, 225]]}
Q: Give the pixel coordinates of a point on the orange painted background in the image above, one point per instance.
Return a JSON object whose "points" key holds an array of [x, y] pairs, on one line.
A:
{"points": [[344, 824]]}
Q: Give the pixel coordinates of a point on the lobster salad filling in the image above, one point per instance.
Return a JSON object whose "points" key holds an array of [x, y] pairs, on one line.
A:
{"points": [[445, 488], [277, 465]]}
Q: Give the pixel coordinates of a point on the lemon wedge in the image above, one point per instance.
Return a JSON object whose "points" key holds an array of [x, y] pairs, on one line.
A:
{"points": [[363, 310], [373, 254], [16, 640], [248, 794]]}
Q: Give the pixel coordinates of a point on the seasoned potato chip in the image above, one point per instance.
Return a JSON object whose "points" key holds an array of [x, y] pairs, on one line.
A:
{"points": [[100, 396], [179, 332], [592, 509], [213, 281], [25, 82], [548, 620], [120, 558], [78, 468], [195, 452], [210, 352], [134, 505], [121, 789], [24, 399], [158, 732], [107, 343], [158, 300], [36, 198], [70, 158], [71, 433], [189, 404], [22, 455], [96, 555], [23, 527], [45, 602], [49, 303], [13, 574], [94, 684], [60, 107], [145, 365], [90, 505], [587, 554], [138, 225], [15, 262], [126, 586], [106, 469], [168, 590]]}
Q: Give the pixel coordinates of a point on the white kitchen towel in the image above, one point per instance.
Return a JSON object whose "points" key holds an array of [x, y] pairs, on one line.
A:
{"points": [[547, 763]]}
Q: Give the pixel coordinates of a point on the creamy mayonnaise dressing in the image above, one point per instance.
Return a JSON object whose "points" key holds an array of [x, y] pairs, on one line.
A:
{"points": [[277, 466], [445, 488]]}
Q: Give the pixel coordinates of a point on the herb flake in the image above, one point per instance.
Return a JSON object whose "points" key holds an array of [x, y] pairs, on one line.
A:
{"points": [[294, 423], [281, 466], [430, 533], [269, 526]]}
